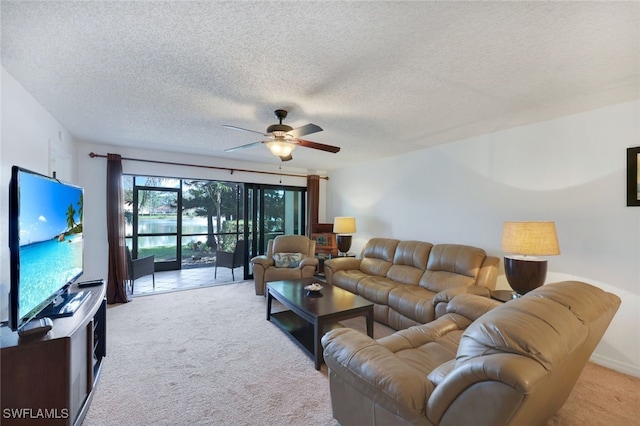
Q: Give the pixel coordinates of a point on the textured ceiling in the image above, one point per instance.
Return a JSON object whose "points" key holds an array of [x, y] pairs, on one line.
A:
{"points": [[381, 78]]}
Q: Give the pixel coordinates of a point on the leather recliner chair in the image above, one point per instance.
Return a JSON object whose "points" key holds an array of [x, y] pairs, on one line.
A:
{"points": [[265, 268], [481, 363]]}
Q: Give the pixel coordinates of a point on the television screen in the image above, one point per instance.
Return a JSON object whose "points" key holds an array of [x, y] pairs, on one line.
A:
{"points": [[45, 241]]}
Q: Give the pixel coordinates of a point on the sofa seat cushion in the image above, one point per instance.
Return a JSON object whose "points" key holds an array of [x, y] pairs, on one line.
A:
{"points": [[426, 347], [348, 279], [276, 274], [376, 289], [413, 302], [427, 357]]}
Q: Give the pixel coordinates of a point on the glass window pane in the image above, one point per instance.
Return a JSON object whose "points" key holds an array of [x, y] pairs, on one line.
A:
{"points": [[157, 212], [127, 187], [212, 208], [160, 182], [163, 247], [196, 253]]}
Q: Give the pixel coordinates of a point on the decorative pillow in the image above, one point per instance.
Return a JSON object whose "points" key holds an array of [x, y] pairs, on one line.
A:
{"points": [[287, 260]]}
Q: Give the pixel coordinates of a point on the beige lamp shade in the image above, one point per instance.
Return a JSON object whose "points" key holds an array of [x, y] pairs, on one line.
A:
{"points": [[344, 225], [530, 238]]}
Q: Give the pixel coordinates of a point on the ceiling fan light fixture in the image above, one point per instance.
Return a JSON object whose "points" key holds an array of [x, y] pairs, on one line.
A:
{"points": [[282, 139], [280, 147]]}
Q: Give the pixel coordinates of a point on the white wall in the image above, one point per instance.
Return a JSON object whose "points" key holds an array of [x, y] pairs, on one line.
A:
{"points": [[571, 170], [33, 139]]}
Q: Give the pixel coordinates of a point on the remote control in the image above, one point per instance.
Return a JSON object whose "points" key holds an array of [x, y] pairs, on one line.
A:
{"points": [[91, 283], [35, 327]]}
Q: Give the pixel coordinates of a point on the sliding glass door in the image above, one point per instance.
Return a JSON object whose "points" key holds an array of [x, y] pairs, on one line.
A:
{"points": [[182, 222], [272, 211], [156, 222]]}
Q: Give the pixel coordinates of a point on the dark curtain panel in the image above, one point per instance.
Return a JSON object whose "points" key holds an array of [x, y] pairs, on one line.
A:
{"points": [[313, 202], [116, 290]]}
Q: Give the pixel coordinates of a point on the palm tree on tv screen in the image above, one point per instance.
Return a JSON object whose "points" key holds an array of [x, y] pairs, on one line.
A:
{"points": [[71, 212]]}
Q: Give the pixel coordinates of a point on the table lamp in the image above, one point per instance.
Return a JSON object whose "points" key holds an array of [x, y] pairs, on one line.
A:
{"points": [[524, 241], [341, 227]]}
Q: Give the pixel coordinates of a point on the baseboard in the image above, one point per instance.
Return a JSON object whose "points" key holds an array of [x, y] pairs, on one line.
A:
{"points": [[621, 367]]}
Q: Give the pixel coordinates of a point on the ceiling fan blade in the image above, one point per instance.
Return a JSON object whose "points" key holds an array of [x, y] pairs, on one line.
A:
{"points": [[287, 158], [244, 130], [304, 130], [237, 148], [316, 145]]}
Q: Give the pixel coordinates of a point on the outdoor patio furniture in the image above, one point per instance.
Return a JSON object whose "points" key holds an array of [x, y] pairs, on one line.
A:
{"points": [[138, 268], [230, 260]]}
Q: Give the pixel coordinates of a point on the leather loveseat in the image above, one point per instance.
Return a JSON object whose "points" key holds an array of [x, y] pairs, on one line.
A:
{"points": [[402, 278], [481, 363]]}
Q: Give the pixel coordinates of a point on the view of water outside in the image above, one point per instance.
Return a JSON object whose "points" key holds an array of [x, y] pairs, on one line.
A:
{"points": [[166, 224], [205, 206]]}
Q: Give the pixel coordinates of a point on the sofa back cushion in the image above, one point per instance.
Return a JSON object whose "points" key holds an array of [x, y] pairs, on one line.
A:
{"points": [[292, 244], [409, 262], [452, 265], [535, 327], [377, 256]]}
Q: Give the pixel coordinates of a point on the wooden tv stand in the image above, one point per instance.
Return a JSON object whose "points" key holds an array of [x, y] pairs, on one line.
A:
{"points": [[50, 380]]}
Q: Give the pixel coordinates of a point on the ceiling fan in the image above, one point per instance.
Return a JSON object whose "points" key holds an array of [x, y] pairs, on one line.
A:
{"points": [[281, 139]]}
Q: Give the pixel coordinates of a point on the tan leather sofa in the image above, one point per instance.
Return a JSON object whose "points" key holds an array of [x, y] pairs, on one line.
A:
{"points": [[266, 270], [401, 278], [482, 363]]}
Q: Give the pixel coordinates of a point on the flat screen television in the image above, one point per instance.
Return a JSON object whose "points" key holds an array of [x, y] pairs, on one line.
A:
{"points": [[45, 246]]}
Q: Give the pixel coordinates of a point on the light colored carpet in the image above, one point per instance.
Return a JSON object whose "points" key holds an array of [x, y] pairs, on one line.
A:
{"points": [[208, 356]]}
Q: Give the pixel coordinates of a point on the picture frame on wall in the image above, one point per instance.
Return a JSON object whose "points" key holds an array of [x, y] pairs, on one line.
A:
{"points": [[633, 176]]}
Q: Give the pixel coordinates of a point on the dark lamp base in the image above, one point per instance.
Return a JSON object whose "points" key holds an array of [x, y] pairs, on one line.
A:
{"points": [[344, 243], [525, 275]]}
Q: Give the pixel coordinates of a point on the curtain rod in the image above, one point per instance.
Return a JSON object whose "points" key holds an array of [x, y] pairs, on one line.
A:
{"points": [[93, 155]]}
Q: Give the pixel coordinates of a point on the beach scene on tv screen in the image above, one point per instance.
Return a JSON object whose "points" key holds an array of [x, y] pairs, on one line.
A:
{"points": [[50, 225]]}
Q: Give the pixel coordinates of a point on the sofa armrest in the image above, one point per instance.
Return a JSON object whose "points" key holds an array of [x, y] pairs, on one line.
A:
{"points": [[263, 261], [508, 378], [309, 261], [375, 371], [260, 266], [488, 274], [441, 299], [342, 263], [331, 266]]}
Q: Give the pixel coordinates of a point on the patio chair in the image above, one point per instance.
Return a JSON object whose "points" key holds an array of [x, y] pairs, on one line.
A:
{"points": [[138, 268], [230, 260]]}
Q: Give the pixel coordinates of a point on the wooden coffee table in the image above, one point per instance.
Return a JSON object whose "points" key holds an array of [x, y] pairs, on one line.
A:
{"points": [[312, 315]]}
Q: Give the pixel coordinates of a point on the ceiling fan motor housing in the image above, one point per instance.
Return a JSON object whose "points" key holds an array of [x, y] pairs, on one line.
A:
{"points": [[279, 129], [283, 128], [282, 139]]}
